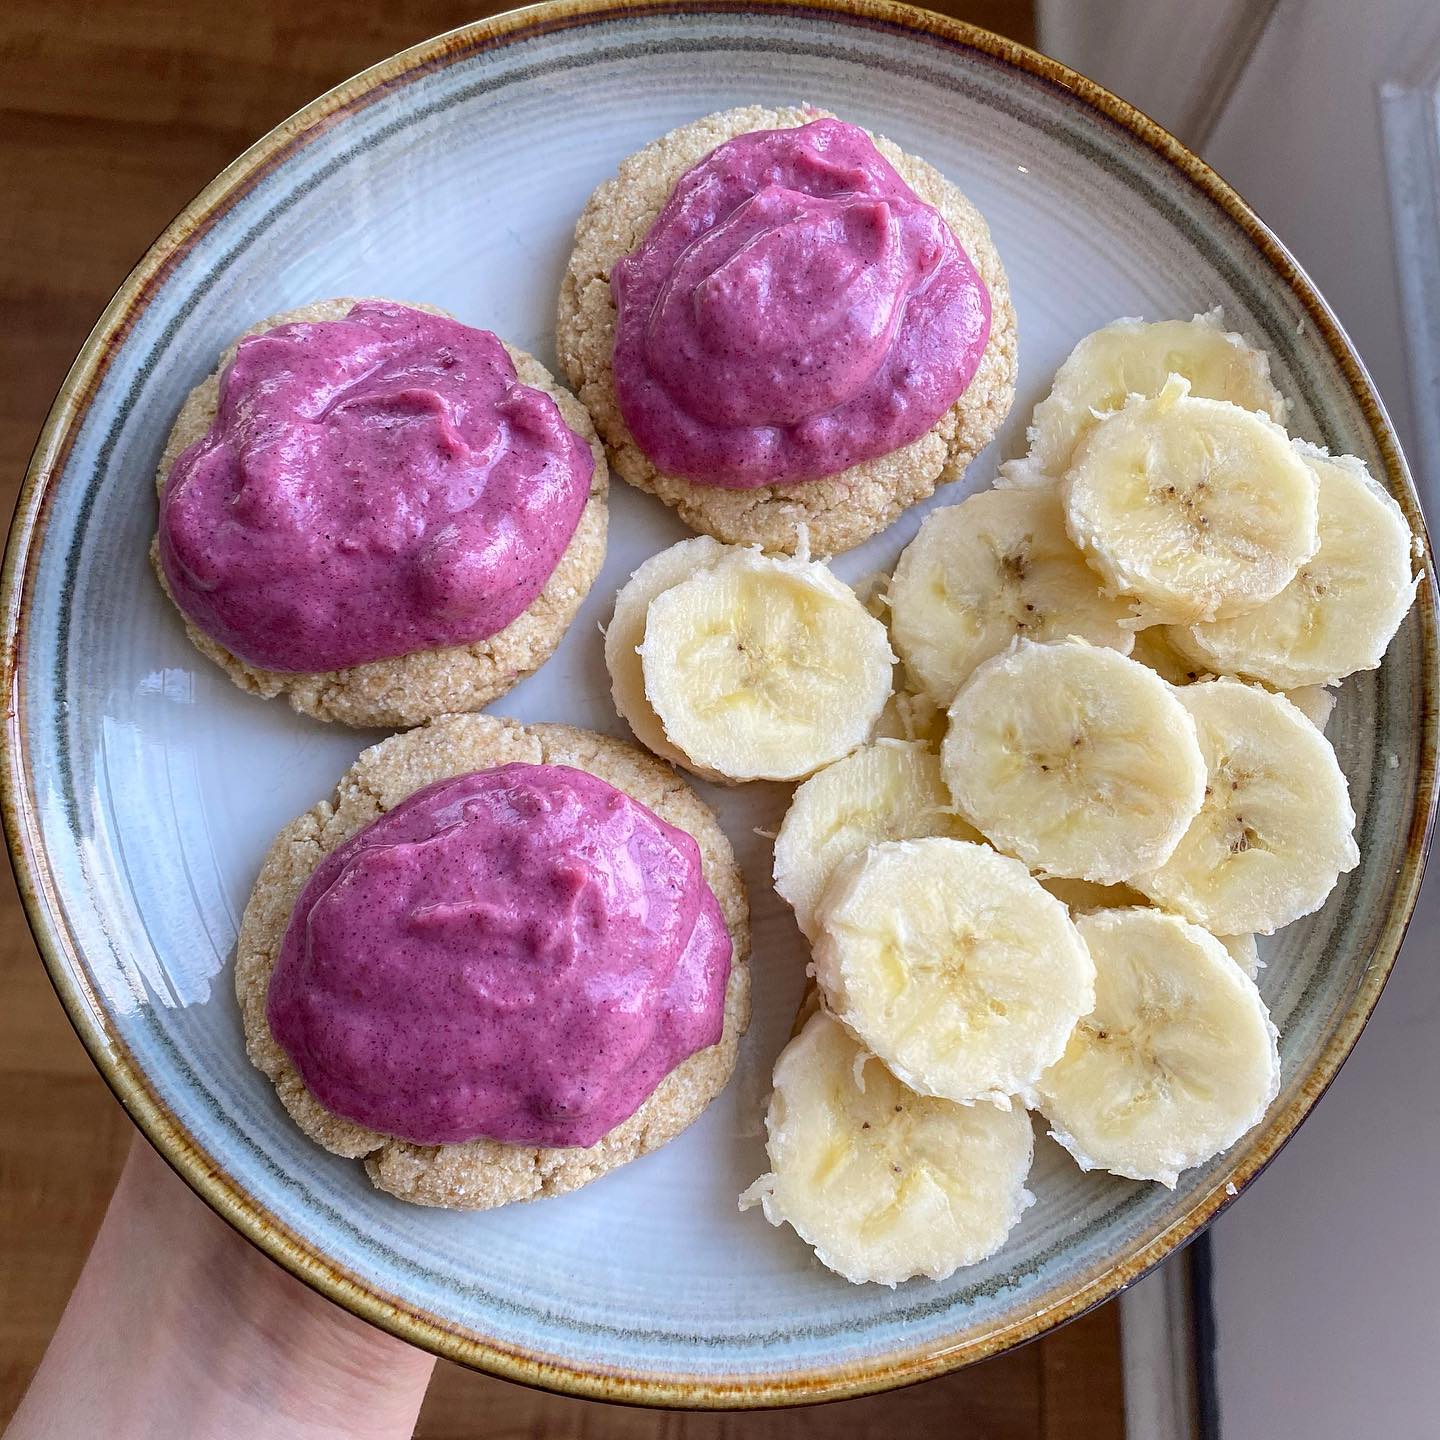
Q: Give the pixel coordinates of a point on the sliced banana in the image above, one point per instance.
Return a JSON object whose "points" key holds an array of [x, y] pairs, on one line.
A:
{"points": [[809, 1005], [1276, 830], [979, 573], [885, 1184], [1314, 702], [1175, 1063], [764, 667], [1169, 651], [1342, 609], [891, 790], [908, 716], [872, 591], [626, 632], [1082, 897], [1130, 357], [1078, 896], [1076, 759], [1157, 649], [950, 963], [1197, 508], [1243, 950]]}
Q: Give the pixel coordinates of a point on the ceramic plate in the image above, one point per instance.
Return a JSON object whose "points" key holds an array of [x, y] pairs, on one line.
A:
{"points": [[143, 788]]}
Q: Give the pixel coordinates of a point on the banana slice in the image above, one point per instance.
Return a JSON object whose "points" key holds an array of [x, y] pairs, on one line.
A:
{"points": [[1169, 651], [1276, 830], [888, 791], [1342, 609], [1157, 648], [626, 632], [951, 964], [982, 572], [1077, 760], [1314, 702], [1079, 896], [884, 1184], [1083, 897], [908, 716], [1175, 1063], [872, 591], [764, 667], [1243, 950], [1197, 508], [1130, 357], [809, 1005]]}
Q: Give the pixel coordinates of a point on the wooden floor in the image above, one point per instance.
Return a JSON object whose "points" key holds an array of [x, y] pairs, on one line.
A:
{"points": [[113, 113]]}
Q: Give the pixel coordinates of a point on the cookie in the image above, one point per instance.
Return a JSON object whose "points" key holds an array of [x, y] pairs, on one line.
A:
{"points": [[837, 512], [482, 1174], [409, 689]]}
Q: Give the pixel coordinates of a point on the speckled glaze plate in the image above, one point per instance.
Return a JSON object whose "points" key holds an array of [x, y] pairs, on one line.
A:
{"points": [[142, 788]]}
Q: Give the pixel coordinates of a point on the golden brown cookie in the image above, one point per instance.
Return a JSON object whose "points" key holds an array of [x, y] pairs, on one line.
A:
{"points": [[482, 1174], [842, 510], [412, 688]]}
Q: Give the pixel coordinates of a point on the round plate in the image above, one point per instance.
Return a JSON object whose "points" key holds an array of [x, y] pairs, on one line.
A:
{"points": [[143, 788]]}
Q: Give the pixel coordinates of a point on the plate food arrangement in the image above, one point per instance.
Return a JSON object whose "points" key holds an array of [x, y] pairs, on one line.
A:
{"points": [[774, 655]]}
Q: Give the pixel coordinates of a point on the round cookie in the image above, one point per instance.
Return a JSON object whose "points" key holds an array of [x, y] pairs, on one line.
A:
{"points": [[482, 1174], [839, 511], [409, 689]]}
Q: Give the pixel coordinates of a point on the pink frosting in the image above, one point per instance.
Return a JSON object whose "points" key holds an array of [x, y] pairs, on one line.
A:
{"points": [[370, 487], [520, 954], [794, 309]]}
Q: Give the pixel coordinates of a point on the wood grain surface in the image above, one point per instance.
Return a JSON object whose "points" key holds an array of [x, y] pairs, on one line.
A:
{"points": [[113, 113]]}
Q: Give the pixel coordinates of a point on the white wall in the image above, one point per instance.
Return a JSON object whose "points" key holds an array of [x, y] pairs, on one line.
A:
{"points": [[1174, 59], [1301, 140]]}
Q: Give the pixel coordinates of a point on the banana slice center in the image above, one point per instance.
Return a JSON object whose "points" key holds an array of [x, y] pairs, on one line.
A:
{"points": [[1186, 500], [1225, 798], [770, 651], [886, 1150], [1014, 567], [1151, 1072], [1062, 757]]}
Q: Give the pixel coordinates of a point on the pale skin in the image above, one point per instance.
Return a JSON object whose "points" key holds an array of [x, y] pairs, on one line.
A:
{"points": [[179, 1329]]}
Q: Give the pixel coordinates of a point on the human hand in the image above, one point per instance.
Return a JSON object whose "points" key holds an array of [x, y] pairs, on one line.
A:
{"points": [[180, 1328]]}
